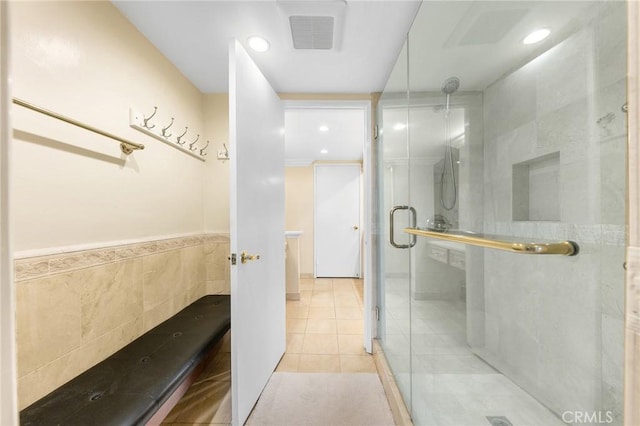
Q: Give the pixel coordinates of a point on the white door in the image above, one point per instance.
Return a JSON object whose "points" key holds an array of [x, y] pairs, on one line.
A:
{"points": [[258, 336], [337, 220]]}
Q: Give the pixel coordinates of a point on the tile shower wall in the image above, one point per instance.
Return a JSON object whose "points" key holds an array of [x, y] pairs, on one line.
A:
{"points": [[555, 325], [76, 309]]}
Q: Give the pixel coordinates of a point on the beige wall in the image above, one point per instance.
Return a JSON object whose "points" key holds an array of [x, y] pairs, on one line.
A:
{"points": [[216, 185], [299, 212], [72, 187], [78, 308], [107, 246]]}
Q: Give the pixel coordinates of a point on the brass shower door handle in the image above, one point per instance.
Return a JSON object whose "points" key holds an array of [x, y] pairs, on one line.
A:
{"points": [[245, 257]]}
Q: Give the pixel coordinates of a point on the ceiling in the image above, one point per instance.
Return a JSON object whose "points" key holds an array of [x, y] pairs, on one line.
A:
{"points": [[195, 35], [480, 41], [338, 131], [477, 41]]}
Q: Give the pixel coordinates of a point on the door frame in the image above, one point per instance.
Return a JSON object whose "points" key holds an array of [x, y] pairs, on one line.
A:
{"points": [[631, 372], [366, 267], [8, 359], [315, 210]]}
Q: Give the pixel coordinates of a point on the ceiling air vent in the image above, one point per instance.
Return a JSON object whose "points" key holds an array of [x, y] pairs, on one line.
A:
{"points": [[312, 32]]}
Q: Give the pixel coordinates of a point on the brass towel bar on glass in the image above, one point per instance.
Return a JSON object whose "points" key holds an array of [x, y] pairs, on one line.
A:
{"points": [[126, 146], [565, 248]]}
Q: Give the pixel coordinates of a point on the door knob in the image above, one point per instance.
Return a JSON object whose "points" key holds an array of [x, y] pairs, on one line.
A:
{"points": [[245, 257], [355, 227]]}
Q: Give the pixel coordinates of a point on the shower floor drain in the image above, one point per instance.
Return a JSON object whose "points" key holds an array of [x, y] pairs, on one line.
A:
{"points": [[499, 421]]}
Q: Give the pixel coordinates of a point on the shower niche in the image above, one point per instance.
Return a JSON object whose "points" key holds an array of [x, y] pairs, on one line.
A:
{"points": [[535, 189]]}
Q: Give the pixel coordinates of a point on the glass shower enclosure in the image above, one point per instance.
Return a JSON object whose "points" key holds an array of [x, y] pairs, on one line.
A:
{"points": [[501, 190]]}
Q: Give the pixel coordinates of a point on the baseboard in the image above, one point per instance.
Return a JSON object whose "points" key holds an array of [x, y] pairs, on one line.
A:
{"points": [[293, 296]]}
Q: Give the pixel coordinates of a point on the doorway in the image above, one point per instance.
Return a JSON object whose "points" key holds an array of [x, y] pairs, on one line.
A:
{"points": [[310, 149]]}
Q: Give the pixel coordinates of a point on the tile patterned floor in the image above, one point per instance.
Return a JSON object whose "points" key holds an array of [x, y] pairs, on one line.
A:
{"points": [[324, 335], [324, 329], [450, 385]]}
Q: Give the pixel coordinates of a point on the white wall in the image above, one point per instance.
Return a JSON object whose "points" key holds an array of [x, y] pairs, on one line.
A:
{"points": [[562, 316], [71, 187]]}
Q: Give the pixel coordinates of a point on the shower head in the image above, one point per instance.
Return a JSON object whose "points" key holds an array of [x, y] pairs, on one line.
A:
{"points": [[450, 85]]}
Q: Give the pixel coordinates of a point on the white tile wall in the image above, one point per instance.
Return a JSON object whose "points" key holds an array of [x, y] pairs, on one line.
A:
{"points": [[555, 323]]}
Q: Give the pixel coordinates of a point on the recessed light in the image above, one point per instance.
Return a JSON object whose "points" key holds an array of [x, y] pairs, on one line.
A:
{"points": [[324, 151], [399, 126], [259, 44], [323, 128], [536, 36]]}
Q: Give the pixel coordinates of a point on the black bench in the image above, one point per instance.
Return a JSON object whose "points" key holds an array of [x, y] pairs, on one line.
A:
{"points": [[134, 385]]}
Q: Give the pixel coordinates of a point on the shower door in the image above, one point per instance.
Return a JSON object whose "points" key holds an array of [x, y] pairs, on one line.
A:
{"points": [[392, 275], [525, 150]]}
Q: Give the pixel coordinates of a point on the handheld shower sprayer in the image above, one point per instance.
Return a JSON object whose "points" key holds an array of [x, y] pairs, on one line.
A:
{"points": [[449, 86]]}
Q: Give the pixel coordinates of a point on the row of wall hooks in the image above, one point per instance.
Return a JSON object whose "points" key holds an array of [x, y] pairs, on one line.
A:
{"points": [[166, 133]]}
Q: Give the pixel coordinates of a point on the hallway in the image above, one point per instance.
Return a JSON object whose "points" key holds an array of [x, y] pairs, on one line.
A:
{"points": [[324, 336], [324, 329]]}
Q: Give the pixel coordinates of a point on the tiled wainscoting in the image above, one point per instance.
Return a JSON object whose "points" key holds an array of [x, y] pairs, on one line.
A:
{"points": [[76, 308]]}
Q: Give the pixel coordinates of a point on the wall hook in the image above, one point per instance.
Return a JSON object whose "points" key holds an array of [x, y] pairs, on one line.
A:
{"points": [[202, 150], [191, 145], [180, 137], [164, 130], [146, 119], [223, 155]]}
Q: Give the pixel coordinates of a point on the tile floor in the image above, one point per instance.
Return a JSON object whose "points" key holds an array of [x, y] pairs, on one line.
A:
{"points": [[324, 335], [449, 384], [324, 329], [443, 381]]}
